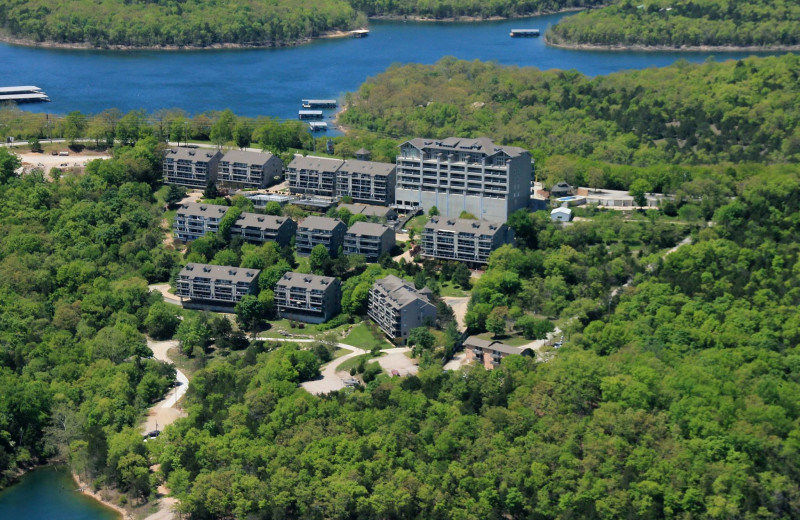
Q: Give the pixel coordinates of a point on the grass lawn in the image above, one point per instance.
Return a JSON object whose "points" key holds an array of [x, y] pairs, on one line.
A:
{"points": [[309, 329], [417, 224], [303, 264], [451, 289], [361, 337], [354, 362], [511, 341]]}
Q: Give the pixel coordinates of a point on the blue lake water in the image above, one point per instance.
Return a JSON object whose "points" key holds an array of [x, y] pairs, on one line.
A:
{"points": [[273, 81], [49, 493]]}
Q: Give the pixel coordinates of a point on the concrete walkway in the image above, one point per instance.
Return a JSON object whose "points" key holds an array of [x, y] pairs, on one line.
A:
{"points": [[163, 288]]}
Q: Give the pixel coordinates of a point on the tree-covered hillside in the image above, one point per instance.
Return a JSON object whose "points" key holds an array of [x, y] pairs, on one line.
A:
{"points": [[735, 111], [684, 23], [465, 8], [75, 257]]}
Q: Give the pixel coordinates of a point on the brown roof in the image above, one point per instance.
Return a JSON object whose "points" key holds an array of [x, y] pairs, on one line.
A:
{"points": [[324, 223], [258, 221], [321, 164], [463, 225], [366, 209], [191, 154], [249, 158], [369, 229], [458, 144], [368, 167], [498, 346]]}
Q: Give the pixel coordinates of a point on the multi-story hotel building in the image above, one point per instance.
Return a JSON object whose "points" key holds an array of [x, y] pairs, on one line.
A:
{"points": [[193, 220], [463, 240], [397, 307], [216, 283], [366, 181], [308, 175], [368, 239], [241, 169], [258, 229], [320, 230], [455, 175], [190, 167], [308, 297]]}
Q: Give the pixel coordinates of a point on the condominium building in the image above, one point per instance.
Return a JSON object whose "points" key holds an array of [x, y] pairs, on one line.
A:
{"points": [[216, 283], [308, 297], [456, 175], [491, 353], [368, 239], [190, 167], [308, 175], [398, 308], [193, 220], [241, 169], [366, 181], [463, 240], [320, 230], [258, 229]]}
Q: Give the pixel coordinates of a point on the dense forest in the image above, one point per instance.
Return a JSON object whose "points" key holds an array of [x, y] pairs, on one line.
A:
{"points": [[76, 255], [683, 23], [680, 402], [201, 23], [734, 111]]}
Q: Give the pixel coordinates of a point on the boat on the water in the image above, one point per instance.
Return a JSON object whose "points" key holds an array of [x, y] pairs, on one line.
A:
{"points": [[524, 33], [359, 33], [318, 126]]}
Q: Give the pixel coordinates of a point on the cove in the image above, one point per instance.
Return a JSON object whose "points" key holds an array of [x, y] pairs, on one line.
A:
{"points": [[273, 81], [48, 493]]}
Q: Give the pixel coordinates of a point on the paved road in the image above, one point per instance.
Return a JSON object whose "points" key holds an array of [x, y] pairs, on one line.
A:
{"points": [[166, 411], [163, 288]]}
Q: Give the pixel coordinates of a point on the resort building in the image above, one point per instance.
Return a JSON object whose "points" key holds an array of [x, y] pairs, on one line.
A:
{"points": [[193, 220], [240, 169], [381, 213], [463, 240], [455, 175], [190, 167], [217, 284], [491, 353], [320, 230], [258, 229], [369, 239], [308, 297], [397, 307], [313, 175], [366, 181]]}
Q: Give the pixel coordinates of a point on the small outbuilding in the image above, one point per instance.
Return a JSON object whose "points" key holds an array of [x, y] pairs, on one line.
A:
{"points": [[561, 215]]}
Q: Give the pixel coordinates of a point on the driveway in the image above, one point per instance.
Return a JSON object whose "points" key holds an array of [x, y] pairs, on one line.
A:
{"points": [[396, 359], [163, 288]]}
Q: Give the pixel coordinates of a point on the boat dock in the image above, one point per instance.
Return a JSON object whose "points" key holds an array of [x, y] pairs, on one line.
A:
{"points": [[23, 94], [318, 126], [524, 33], [310, 114], [319, 103], [359, 33]]}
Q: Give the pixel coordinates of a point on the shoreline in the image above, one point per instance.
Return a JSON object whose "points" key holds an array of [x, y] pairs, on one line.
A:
{"points": [[670, 48], [333, 33], [86, 490]]}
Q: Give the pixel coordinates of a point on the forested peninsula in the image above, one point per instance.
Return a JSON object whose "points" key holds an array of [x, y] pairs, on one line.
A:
{"points": [[206, 23], [683, 24]]}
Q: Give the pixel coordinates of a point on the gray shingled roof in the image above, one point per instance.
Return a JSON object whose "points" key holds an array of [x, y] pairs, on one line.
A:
{"points": [[366, 209], [476, 342], [400, 291], [463, 225], [220, 272], [324, 223], [321, 164], [307, 281], [249, 158], [198, 209], [191, 154], [458, 144], [368, 167], [255, 220], [369, 229]]}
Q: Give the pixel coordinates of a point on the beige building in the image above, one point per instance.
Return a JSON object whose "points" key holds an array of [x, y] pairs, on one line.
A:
{"points": [[190, 167], [308, 297], [242, 169], [397, 307], [491, 353], [463, 240]]}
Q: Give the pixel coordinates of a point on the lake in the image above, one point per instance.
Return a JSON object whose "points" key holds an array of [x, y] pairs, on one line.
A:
{"points": [[273, 81], [49, 493]]}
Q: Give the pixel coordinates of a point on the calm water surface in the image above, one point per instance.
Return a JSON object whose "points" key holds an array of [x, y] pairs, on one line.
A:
{"points": [[49, 493], [273, 81]]}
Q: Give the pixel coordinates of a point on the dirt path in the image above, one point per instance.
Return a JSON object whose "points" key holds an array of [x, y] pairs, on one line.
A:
{"points": [[166, 411], [459, 306]]}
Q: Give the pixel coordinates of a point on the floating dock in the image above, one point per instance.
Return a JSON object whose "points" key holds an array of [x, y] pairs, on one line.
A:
{"points": [[359, 33], [318, 126], [524, 33], [310, 114], [319, 103], [23, 94]]}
